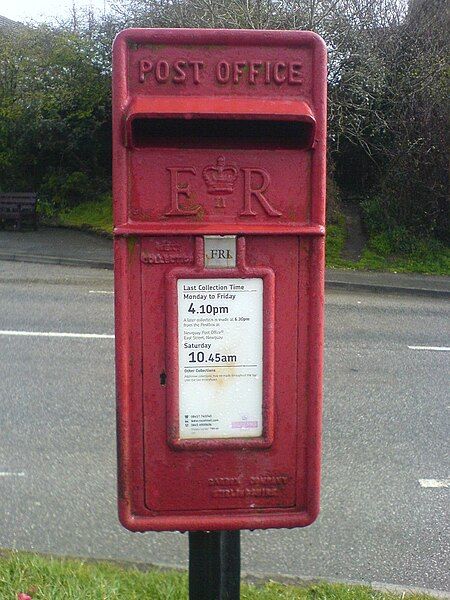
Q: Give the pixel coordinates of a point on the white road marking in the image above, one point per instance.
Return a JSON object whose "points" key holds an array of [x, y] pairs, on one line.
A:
{"points": [[434, 483], [11, 474], [100, 292], [58, 334], [436, 348]]}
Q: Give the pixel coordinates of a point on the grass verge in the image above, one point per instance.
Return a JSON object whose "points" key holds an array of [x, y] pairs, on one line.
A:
{"points": [[46, 578], [426, 256], [96, 216]]}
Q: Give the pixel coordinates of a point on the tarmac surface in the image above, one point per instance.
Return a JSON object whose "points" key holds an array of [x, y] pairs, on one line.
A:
{"points": [[84, 249], [55, 245]]}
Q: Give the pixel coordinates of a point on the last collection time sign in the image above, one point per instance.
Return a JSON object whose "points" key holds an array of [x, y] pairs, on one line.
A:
{"points": [[220, 357]]}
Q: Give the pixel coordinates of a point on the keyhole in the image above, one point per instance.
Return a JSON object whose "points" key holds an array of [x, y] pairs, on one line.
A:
{"points": [[163, 378]]}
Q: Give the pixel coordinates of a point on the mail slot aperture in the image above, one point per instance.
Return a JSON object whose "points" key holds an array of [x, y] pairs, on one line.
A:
{"points": [[221, 133]]}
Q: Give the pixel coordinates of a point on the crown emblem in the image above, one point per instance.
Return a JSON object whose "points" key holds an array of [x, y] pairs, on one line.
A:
{"points": [[220, 179]]}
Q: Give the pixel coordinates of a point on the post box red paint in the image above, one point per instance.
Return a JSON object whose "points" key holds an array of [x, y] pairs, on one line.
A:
{"points": [[219, 214]]}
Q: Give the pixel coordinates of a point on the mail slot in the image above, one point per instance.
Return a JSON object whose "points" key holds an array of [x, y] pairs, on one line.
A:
{"points": [[219, 222]]}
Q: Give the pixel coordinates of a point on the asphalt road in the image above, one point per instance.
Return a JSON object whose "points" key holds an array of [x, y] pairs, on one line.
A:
{"points": [[385, 428]]}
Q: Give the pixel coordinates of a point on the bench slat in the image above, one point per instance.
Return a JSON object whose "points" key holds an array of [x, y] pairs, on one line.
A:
{"points": [[16, 206]]}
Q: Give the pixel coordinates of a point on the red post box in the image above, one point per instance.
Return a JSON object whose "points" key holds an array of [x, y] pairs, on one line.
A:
{"points": [[219, 195]]}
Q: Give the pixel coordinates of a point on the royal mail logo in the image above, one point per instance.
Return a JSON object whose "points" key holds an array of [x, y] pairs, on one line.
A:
{"points": [[220, 179]]}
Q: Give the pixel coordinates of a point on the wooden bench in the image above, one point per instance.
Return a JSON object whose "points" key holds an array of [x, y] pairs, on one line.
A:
{"points": [[19, 207]]}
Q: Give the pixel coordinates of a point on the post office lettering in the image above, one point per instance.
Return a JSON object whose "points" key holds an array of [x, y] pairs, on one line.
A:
{"points": [[224, 72]]}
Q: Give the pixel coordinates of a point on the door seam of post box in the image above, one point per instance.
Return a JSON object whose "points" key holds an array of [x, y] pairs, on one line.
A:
{"points": [[306, 370], [299, 376], [217, 512], [144, 422]]}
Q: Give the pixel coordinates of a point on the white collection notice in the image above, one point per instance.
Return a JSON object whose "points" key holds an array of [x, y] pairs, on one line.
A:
{"points": [[220, 357]]}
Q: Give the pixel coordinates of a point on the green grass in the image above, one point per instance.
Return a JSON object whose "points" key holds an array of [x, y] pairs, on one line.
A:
{"points": [[334, 243], [430, 261], [390, 253], [92, 215], [45, 578]]}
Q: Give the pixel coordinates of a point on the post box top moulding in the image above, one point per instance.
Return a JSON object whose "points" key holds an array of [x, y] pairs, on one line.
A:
{"points": [[203, 75], [220, 62]]}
